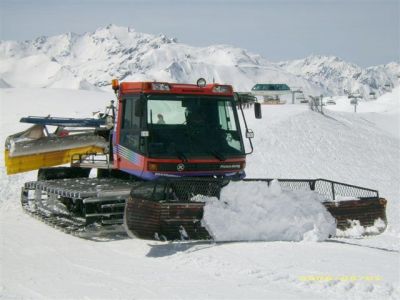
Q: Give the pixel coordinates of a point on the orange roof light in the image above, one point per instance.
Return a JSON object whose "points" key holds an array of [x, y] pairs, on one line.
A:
{"points": [[115, 84]]}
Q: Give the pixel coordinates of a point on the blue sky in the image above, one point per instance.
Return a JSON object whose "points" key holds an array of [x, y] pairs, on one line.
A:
{"points": [[366, 32]]}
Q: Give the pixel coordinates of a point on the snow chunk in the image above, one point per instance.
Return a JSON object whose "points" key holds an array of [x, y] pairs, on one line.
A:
{"points": [[356, 230], [252, 211]]}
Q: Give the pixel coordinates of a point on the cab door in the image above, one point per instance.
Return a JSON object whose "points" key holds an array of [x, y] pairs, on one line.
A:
{"points": [[130, 145]]}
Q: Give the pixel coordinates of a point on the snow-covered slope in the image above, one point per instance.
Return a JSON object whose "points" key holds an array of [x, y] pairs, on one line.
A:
{"points": [[92, 59], [4, 84], [384, 112], [337, 75], [38, 261], [41, 71]]}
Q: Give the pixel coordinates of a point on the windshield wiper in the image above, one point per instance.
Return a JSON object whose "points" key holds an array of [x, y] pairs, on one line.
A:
{"points": [[182, 156], [218, 155], [210, 150]]}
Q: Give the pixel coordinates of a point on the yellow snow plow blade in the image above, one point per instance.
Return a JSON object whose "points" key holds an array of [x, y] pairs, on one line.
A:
{"points": [[19, 164]]}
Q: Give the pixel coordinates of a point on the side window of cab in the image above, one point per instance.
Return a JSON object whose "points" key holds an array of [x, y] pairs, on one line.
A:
{"points": [[131, 124]]}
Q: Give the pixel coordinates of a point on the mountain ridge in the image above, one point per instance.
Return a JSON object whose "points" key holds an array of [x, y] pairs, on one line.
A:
{"points": [[91, 59], [339, 75]]}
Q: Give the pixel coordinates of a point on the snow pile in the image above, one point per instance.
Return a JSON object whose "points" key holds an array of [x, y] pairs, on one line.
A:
{"points": [[252, 211]]}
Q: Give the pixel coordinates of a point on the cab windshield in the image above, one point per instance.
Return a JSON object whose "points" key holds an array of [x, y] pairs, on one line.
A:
{"points": [[185, 126]]}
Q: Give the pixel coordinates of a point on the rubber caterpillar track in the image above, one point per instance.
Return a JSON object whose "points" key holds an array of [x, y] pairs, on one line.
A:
{"points": [[79, 206]]}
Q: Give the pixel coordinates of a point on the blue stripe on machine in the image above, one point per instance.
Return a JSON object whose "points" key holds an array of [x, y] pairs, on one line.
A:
{"points": [[129, 155]]}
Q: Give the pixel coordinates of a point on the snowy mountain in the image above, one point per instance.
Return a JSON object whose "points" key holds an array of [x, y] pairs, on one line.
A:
{"points": [[90, 60], [338, 75]]}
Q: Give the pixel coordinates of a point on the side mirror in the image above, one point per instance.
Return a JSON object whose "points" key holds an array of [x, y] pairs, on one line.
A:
{"points": [[257, 110], [249, 134]]}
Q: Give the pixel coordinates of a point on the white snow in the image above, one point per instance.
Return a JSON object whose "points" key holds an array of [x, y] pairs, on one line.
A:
{"points": [[40, 262], [252, 211], [387, 105], [4, 84], [356, 230]]}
